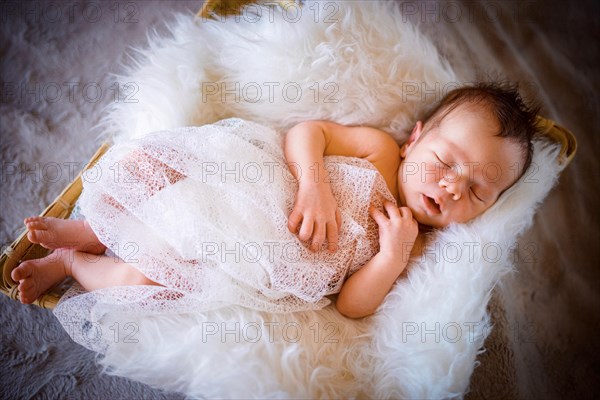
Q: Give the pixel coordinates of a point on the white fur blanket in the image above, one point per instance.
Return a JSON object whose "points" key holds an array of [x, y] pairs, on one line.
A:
{"points": [[424, 339], [319, 354]]}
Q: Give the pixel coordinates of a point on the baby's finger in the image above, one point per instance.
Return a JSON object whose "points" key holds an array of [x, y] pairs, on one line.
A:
{"points": [[294, 220], [405, 212], [378, 216], [319, 236], [391, 209], [332, 236], [338, 219], [306, 229]]}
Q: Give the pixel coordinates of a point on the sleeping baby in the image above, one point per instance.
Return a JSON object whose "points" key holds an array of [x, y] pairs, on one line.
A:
{"points": [[234, 213]]}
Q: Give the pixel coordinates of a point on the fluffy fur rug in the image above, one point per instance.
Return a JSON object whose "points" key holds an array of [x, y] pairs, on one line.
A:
{"points": [[542, 316], [423, 341]]}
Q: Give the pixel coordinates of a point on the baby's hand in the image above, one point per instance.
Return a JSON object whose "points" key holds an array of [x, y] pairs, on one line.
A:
{"points": [[397, 234], [315, 214]]}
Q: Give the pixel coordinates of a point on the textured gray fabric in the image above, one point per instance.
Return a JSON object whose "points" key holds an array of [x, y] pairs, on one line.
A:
{"points": [[39, 360]]}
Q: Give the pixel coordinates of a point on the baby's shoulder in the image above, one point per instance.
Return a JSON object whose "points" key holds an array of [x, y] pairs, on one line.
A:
{"points": [[387, 162]]}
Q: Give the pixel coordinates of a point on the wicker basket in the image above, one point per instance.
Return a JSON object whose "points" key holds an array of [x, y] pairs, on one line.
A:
{"points": [[22, 249], [212, 8]]}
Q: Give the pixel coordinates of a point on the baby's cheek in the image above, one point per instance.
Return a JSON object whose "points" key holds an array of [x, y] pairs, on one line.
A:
{"points": [[465, 212], [480, 210]]}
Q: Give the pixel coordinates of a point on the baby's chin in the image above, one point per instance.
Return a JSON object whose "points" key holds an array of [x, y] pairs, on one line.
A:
{"points": [[427, 220]]}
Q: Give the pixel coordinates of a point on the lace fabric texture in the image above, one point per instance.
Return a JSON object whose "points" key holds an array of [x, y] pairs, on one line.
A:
{"points": [[203, 211]]}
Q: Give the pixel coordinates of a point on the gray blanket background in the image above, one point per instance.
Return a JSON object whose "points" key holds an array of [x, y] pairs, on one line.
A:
{"points": [[55, 55]]}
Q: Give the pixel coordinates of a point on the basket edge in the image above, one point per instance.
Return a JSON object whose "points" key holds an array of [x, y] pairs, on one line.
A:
{"points": [[559, 134]]}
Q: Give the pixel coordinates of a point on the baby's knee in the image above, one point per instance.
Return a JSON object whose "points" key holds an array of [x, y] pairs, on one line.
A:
{"points": [[147, 281], [136, 277]]}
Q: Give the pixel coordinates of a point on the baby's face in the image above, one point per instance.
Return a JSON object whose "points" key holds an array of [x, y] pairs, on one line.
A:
{"points": [[457, 170]]}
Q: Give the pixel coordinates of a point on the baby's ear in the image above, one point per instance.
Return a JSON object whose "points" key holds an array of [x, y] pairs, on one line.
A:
{"points": [[412, 139]]}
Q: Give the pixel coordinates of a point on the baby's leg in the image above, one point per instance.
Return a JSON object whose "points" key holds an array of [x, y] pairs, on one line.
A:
{"points": [[97, 272], [53, 233], [91, 271]]}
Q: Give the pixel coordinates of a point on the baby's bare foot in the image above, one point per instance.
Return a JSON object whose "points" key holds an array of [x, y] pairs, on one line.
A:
{"points": [[53, 233], [35, 277]]}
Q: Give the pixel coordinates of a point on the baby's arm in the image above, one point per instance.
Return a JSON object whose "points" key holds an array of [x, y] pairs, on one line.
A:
{"points": [[364, 291], [315, 213]]}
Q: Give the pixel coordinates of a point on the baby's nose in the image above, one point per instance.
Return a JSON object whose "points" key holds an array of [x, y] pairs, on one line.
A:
{"points": [[452, 188]]}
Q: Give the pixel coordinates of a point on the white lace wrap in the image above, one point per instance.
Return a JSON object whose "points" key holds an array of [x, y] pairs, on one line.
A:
{"points": [[218, 236]]}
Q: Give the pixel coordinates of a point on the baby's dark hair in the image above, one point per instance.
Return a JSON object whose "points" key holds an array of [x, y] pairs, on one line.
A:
{"points": [[517, 119]]}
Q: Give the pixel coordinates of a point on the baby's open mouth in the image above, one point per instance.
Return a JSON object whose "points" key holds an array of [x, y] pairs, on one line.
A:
{"points": [[432, 205]]}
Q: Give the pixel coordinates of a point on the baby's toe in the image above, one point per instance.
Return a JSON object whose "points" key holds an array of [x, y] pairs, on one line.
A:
{"points": [[22, 271], [34, 218], [26, 287], [33, 236], [41, 236], [36, 225], [26, 298]]}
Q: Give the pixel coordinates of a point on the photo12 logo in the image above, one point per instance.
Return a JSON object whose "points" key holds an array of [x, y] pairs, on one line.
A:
{"points": [[459, 11], [270, 331], [73, 92], [69, 12], [254, 92]]}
